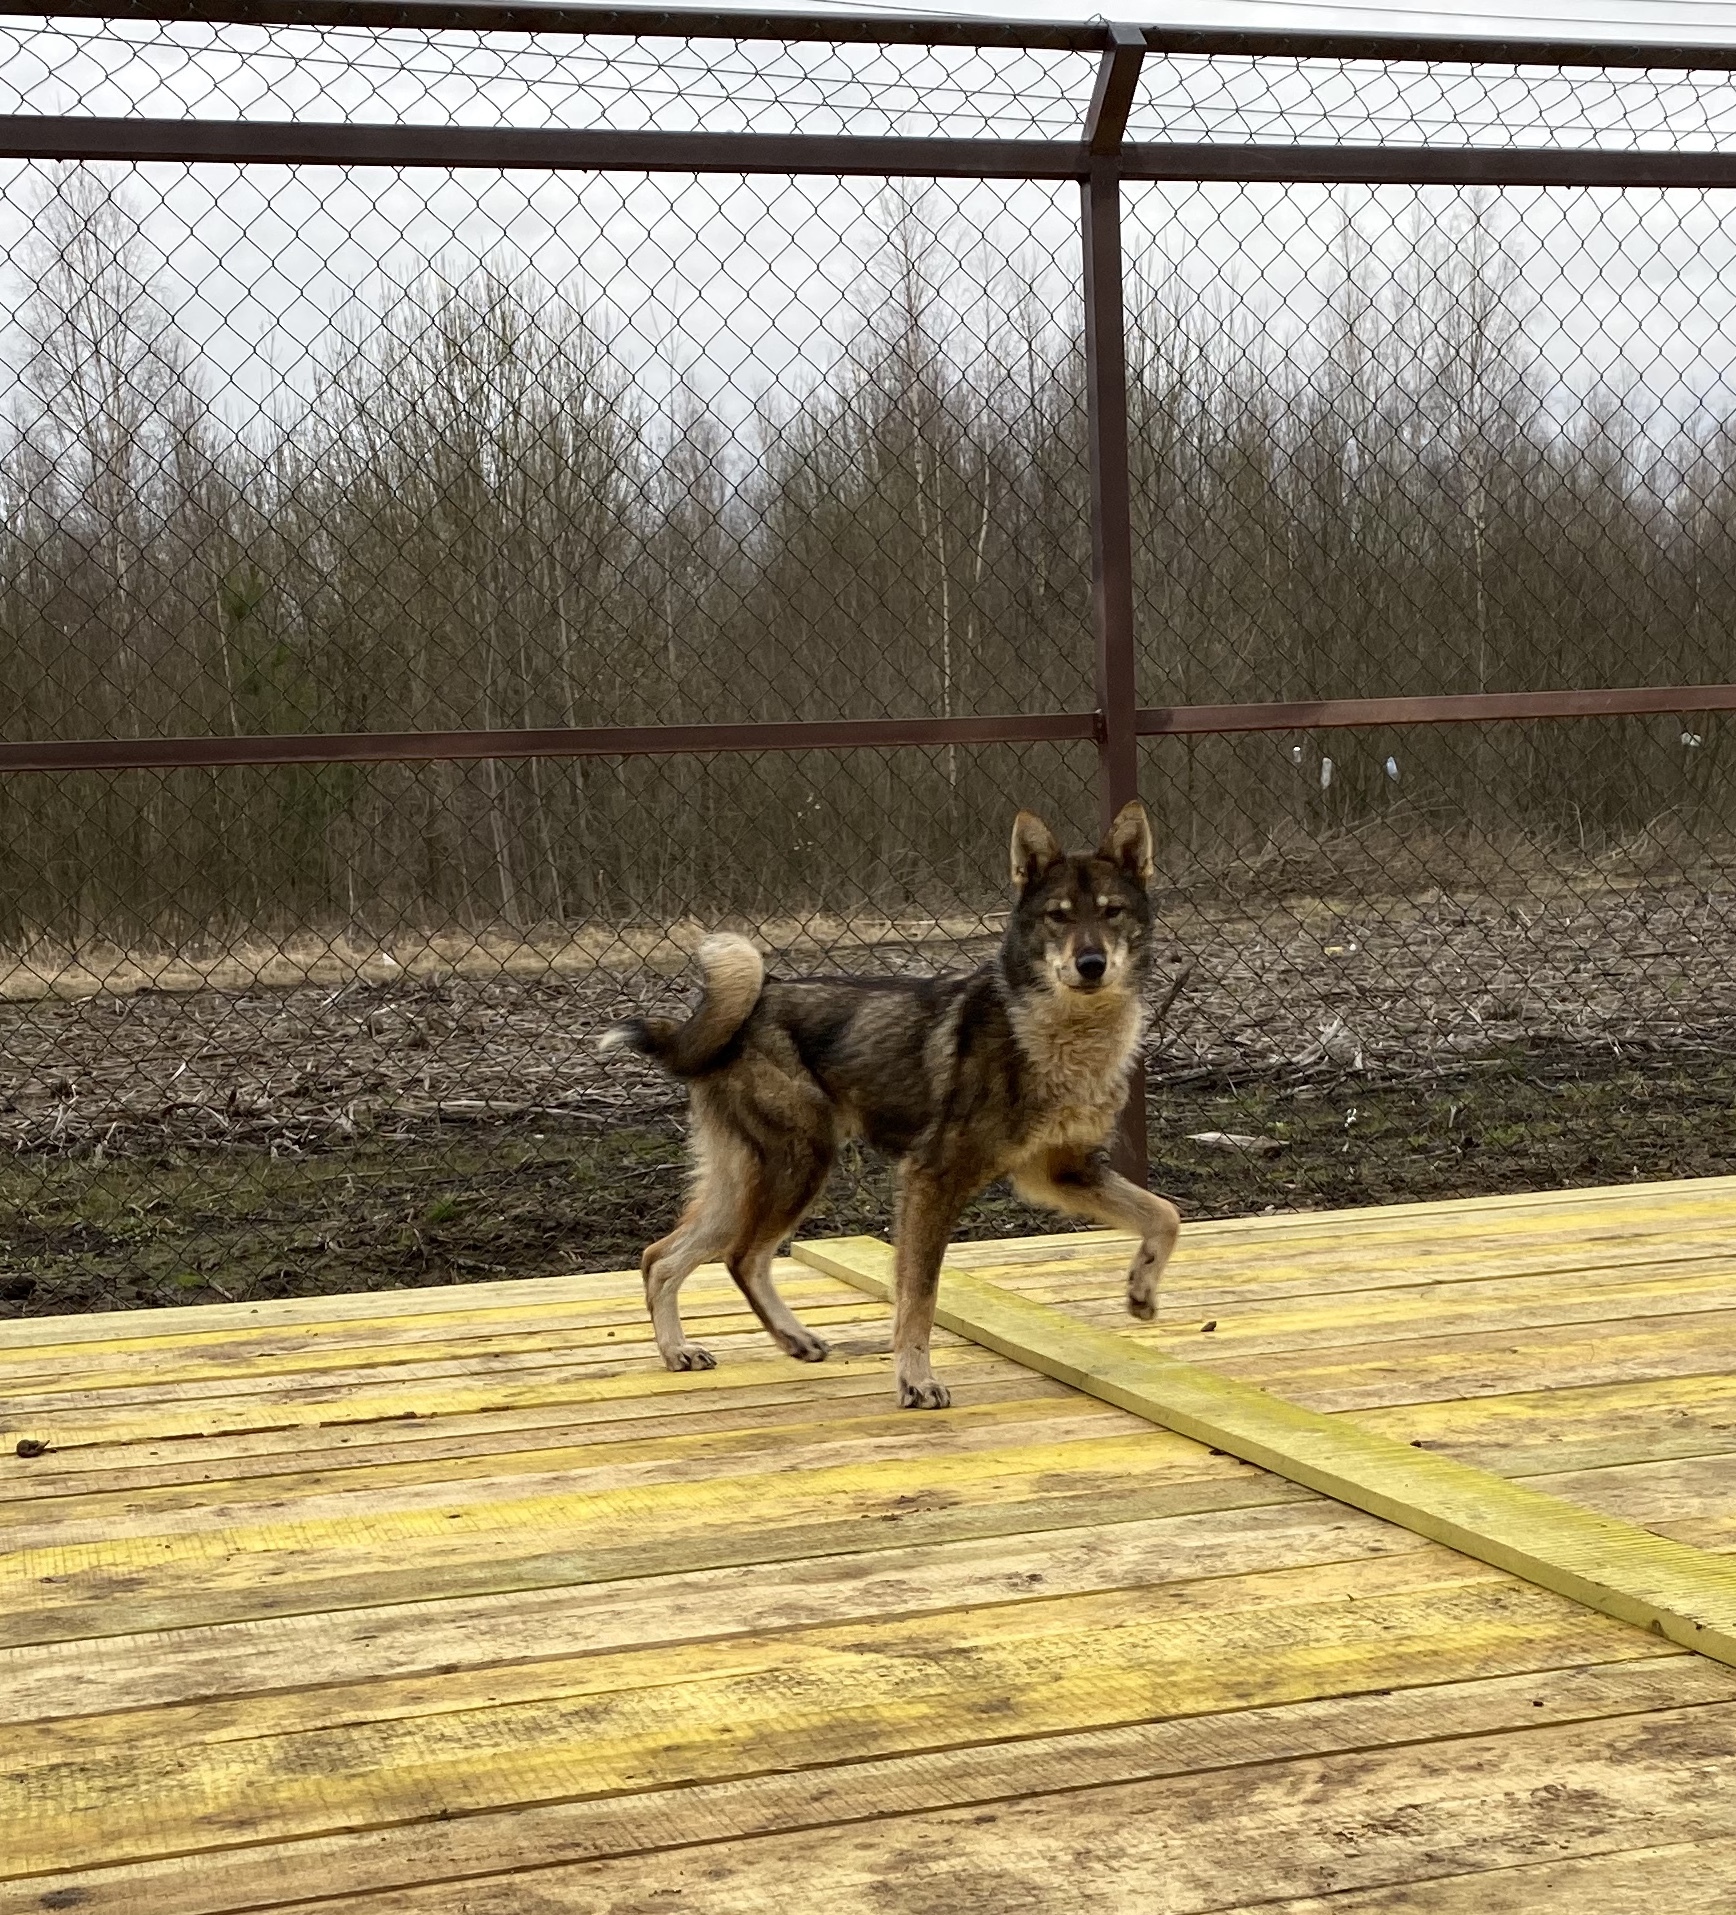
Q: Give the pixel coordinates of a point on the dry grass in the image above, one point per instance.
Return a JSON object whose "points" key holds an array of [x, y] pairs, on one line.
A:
{"points": [[336, 959], [306, 1045]]}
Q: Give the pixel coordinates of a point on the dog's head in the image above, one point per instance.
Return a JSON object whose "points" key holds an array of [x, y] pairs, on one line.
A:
{"points": [[1082, 921]]}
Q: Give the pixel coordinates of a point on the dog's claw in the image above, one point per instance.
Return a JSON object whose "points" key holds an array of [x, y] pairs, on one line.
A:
{"points": [[806, 1348], [691, 1357], [924, 1396]]}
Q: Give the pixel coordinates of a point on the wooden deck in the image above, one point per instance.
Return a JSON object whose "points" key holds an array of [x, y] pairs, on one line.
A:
{"points": [[451, 1601]]}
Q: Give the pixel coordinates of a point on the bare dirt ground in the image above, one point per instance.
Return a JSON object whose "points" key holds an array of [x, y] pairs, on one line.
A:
{"points": [[324, 1115]]}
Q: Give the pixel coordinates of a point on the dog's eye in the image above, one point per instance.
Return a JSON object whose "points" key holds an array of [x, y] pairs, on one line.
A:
{"points": [[1113, 910], [1058, 914]]}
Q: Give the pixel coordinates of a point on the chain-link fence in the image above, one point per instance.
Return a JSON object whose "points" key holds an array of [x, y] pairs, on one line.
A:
{"points": [[481, 507]]}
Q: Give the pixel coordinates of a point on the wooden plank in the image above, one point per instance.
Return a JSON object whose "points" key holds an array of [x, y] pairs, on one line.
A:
{"points": [[1638, 1205], [1224, 1252], [459, 1446], [1654, 1492], [585, 1469], [560, 1388], [205, 1319], [799, 1395], [122, 1788], [1251, 1281], [367, 1558], [1594, 1559], [1184, 1844], [385, 1339], [1685, 1878], [131, 1383], [1379, 1229], [520, 1844], [475, 1632], [1360, 1249], [1534, 1431], [1317, 1326], [1494, 1363]]}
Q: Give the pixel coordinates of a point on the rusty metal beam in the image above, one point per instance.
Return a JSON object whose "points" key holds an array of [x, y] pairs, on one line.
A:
{"points": [[543, 149], [589, 741], [890, 29], [637, 23], [331, 143], [845, 734], [1111, 490], [1296, 164], [1470, 708]]}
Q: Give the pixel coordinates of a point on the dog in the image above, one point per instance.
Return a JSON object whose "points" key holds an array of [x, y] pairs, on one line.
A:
{"points": [[1018, 1069]]}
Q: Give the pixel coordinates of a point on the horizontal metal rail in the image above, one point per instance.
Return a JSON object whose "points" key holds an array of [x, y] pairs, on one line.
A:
{"points": [[315, 143], [585, 741], [332, 143], [1467, 708], [844, 734], [643, 23]]}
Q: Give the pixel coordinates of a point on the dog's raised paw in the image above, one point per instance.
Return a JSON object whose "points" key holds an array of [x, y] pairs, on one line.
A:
{"points": [[806, 1348], [1141, 1305], [924, 1396], [691, 1357]]}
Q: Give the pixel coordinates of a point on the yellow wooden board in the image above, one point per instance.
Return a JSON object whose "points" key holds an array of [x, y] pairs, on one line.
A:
{"points": [[369, 1400], [456, 1855], [1361, 1824], [121, 1788], [445, 1633], [1364, 1325], [785, 1395], [1609, 1565], [592, 1457], [1532, 1431], [411, 1602], [362, 1557]]}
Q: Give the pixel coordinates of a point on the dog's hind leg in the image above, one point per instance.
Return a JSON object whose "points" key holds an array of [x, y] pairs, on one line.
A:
{"points": [[709, 1226], [1084, 1186], [752, 1270], [785, 1189]]}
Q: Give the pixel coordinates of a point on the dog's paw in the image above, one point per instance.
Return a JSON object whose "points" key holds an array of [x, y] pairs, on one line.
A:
{"points": [[1142, 1286], [804, 1346], [690, 1357], [930, 1395]]}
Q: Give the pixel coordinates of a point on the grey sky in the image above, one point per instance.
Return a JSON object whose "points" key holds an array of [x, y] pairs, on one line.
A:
{"points": [[744, 287]]}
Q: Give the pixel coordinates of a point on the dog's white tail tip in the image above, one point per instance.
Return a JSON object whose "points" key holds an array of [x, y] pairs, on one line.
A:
{"points": [[726, 947]]}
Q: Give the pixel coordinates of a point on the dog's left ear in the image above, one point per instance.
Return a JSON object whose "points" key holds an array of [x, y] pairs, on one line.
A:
{"points": [[1127, 842]]}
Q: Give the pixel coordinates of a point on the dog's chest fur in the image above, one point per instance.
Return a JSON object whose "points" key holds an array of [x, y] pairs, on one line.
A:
{"points": [[1076, 1053]]}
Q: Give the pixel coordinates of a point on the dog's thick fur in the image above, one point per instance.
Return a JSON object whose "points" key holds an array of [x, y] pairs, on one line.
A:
{"points": [[1018, 1069]]}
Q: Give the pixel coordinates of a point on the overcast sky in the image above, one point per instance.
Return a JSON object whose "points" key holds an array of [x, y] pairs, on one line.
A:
{"points": [[749, 288], [1691, 20]]}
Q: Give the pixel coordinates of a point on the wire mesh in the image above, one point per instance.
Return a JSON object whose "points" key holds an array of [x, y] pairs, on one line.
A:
{"points": [[299, 450]]}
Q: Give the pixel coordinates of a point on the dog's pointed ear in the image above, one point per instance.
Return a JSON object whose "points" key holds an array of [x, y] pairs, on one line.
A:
{"points": [[1127, 842], [1035, 849]]}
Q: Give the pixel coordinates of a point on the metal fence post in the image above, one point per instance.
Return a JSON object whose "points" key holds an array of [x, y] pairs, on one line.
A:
{"points": [[1111, 501]]}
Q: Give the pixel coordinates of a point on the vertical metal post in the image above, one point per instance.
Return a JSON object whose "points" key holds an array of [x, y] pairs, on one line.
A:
{"points": [[1111, 496]]}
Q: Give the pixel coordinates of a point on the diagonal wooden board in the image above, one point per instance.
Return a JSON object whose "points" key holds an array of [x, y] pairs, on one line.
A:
{"points": [[1684, 1594]]}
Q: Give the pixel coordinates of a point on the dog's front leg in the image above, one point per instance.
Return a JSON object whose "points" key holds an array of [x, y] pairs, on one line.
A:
{"points": [[928, 1209], [1085, 1186]]}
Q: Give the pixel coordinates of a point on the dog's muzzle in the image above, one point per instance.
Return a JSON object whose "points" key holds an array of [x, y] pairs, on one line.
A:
{"points": [[1091, 966]]}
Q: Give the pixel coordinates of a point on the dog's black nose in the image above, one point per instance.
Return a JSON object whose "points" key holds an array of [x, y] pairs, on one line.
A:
{"points": [[1091, 965]]}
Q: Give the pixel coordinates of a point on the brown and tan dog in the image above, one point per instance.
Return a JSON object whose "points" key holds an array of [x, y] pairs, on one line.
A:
{"points": [[1018, 1069]]}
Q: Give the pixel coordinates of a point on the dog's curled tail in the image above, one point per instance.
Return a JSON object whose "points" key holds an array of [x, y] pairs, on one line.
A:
{"points": [[734, 976]]}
